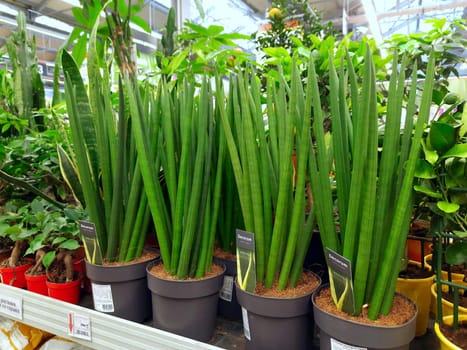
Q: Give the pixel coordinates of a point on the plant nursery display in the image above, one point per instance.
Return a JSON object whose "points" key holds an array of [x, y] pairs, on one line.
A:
{"points": [[147, 170]]}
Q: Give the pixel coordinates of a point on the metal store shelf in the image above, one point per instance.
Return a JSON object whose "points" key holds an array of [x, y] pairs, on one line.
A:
{"points": [[106, 331]]}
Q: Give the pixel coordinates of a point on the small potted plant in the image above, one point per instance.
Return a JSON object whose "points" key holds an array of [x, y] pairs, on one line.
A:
{"points": [[56, 232]]}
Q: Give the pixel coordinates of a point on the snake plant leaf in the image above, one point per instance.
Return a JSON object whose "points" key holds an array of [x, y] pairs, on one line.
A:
{"points": [[70, 174], [448, 207]]}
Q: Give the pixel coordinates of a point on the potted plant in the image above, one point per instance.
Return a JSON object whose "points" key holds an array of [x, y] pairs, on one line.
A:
{"points": [[56, 234], [374, 191], [15, 223], [261, 142], [107, 171]]}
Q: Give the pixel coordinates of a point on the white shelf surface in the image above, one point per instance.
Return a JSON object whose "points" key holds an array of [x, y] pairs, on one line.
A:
{"points": [[107, 332]]}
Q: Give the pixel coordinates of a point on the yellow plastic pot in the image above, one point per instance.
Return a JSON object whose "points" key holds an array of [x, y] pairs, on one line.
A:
{"points": [[444, 274], [445, 344], [447, 306], [418, 290]]}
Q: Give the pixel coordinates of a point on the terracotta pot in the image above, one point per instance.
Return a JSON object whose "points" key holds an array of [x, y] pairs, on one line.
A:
{"points": [[445, 344], [14, 276], [417, 290], [68, 291], [414, 251], [37, 283]]}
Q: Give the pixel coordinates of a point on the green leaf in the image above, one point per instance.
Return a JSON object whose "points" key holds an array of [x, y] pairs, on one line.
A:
{"points": [[456, 254], [197, 28], [141, 23], [79, 16], [427, 191], [461, 234], [276, 52], [442, 136], [70, 244], [430, 155], [214, 30], [177, 61], [58, 240], [448, 207], [424, 170], [80, 49], [48, 258], [459, 151]]}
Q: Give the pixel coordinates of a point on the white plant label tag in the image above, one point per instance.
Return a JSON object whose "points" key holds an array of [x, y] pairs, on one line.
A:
{"points": [[11, 306], [102, 297], [337, 345], [246, 325], [79, 326], [227, 289]]}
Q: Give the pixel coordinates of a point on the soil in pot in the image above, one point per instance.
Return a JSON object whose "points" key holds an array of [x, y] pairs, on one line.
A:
{"points": [[415, 272], [394, 331], [462, 297], [457, 337], [402, 310]]}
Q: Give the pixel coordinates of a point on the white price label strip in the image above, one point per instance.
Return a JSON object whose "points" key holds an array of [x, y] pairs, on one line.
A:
{"points": [[227, 289], [337, 345], [79, 326], [102, 297], [11, 306], [246, 325]]}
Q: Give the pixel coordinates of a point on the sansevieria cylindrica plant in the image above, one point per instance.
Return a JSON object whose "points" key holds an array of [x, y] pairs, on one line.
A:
{"points": [[373, 178], [104, 152], [262, 140]]}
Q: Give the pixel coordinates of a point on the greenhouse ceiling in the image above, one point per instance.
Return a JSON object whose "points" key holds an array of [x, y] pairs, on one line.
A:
{"points": [[51, 20]]}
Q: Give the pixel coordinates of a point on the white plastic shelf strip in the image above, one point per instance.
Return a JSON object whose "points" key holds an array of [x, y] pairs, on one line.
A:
{"points": [[107, 332]]}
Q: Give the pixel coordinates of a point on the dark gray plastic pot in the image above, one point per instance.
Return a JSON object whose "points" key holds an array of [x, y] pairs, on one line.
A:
{"points": [[185, 307], [336, 332], [276, 323], [130, 296], [229, 307]]}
